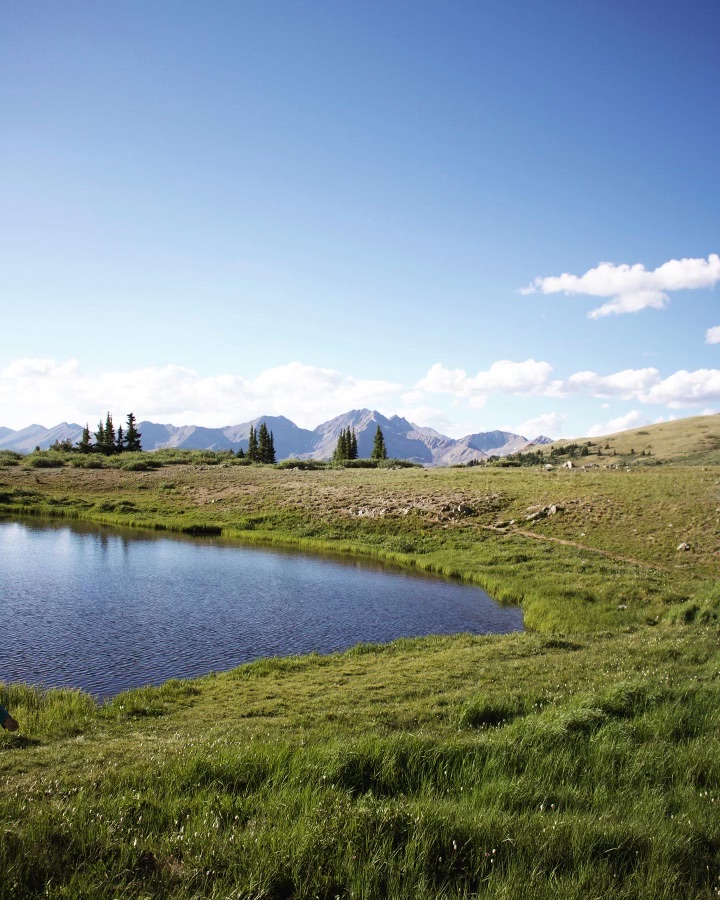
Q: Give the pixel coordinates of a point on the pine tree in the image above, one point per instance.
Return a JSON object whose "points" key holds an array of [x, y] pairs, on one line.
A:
{"points": [[105, 437], [379, 451], [240, 454], [84, 445], [132, 436], [252, 450], [341, 449], [271, 449], [108, 444], [263, 443], [120, 440], [353, 454]]}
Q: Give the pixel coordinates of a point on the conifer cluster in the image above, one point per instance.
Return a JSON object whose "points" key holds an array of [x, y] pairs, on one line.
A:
{"points": [[261, 445], [346, 446], [109, 441]]}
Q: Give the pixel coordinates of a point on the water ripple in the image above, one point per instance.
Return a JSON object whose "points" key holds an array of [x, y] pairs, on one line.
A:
{"points": [[107, 610]]}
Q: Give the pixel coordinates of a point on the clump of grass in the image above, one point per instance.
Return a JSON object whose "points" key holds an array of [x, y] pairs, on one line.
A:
{"points": [[703, 607], [47, 713]]}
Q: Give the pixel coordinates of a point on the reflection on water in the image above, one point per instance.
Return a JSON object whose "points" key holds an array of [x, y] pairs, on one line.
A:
{"points": [[106, 610]]}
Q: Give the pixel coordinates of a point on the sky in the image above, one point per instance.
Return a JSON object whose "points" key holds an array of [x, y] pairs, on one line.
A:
{"points": [[474, 214]]}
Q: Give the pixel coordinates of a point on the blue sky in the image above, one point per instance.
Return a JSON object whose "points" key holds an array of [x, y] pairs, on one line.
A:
{"points": [[214, 211]]}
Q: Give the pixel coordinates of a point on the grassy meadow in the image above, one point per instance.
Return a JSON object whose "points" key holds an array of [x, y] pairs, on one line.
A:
{"points": [[578, 759]]}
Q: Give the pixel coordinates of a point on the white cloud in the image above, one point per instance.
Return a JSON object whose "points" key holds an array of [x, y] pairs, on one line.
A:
{"points": [[627, 384], [712, 335], [426, 417], [548, 424], [633, 419], [503, 377], [48, 392], [632, 288], [685, 388]]}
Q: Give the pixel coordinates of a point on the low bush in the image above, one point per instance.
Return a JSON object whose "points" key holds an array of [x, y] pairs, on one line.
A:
{"points": [[45, 460], [305, 464]]}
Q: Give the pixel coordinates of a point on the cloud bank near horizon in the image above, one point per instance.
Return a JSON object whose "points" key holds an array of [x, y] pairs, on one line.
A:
{"points": [[632, 288], [48, 391]]}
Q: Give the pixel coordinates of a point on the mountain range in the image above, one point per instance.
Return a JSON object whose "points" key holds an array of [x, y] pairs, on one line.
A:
{"points": [[403, 439]]}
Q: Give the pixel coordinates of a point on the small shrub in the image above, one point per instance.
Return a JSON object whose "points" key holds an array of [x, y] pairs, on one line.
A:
{"points": [[305, 464], [45, 461], [398, 464], [87, 462], [10, 458]]}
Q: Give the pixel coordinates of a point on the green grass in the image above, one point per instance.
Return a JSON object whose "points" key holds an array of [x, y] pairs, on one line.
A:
{"points": [[580, 759], [445, 767]]}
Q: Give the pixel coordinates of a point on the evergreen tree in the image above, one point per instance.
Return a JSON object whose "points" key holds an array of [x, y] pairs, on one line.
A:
{"points": [[84, 445], [341, 449], [132, 436], [65, 445], [240, 454], [271, 449], [263, 438], [120, 440], [353, 454], [252, 450], [104, 437], [109, 434], [379, 450]]}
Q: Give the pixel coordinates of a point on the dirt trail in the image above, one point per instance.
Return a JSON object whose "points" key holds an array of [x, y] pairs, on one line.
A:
{"points": [[545, 537]]}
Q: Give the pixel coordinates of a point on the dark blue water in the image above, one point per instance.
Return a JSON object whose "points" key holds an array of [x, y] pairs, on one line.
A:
{"points": [[106, 610]]}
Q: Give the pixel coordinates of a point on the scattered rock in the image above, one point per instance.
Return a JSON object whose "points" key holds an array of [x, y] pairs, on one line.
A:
{"points": [[542, 512], [622, 605], [683, 546], [549, 467]]}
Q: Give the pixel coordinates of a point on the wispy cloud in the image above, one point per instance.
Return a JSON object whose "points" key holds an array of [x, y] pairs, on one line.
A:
{"points": [[632, 288], [712, 335]]}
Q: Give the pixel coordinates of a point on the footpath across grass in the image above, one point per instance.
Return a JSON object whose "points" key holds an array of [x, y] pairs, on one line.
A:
{"points": [[580, 759]]}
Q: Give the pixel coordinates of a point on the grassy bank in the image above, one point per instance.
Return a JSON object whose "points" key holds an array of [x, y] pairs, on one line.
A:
{"points": [[519, 766], [577, 760]]}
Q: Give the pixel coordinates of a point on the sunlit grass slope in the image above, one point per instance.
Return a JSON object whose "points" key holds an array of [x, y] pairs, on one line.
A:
{"points": [[693, 441]]}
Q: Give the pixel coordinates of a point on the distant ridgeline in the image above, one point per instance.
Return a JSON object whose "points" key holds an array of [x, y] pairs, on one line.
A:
{"points": [[353, 435]]}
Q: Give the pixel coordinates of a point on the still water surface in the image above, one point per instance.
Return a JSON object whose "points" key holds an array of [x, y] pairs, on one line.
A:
{"points": [[106, 610]]}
